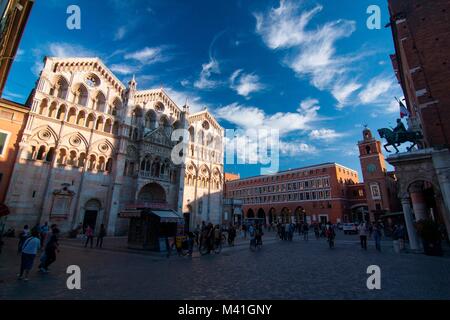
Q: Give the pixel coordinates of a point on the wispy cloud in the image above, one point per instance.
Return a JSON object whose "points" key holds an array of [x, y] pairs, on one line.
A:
{"points": [[64, 50], [325, 134], [245, 84], [147, 55], [284, 122], [343, 90], [309, 51], [120, 33], [375, 89], [208, 69], [124, 69]]}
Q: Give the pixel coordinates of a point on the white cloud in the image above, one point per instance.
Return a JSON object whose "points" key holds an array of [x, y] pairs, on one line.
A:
{"points": [[120, 33], [64, 50], [124, 69], [179, 97], [342, 92], [248, 117], [375, 89], [245, 84], [282, 27], [147, 55], [255, 124], [310, 52], [208, 69], [325, 134]]}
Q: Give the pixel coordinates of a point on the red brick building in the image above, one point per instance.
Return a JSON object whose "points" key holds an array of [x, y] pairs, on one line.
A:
{"points": [[421, 35], [314, 193]]}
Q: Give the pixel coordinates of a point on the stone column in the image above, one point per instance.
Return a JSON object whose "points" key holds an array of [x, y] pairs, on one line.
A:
{"points": [[418, 202], [412, 234], [441, 161]]}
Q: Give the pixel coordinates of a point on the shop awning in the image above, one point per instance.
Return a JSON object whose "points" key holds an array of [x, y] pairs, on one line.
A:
{"points": [[167, 215]]}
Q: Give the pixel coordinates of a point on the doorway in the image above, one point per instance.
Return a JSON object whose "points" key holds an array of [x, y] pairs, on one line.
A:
{"points": [[90, 219]]}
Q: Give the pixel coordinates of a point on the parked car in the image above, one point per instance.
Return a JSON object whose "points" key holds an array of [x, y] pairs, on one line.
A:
{"points": [[350, 228]]}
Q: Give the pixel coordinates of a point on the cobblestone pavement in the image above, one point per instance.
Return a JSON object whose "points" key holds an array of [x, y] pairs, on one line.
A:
{"points": [[281, 270]]}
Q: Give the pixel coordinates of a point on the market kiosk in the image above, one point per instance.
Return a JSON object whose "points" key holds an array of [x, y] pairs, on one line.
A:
{"points": [[150, 229]]}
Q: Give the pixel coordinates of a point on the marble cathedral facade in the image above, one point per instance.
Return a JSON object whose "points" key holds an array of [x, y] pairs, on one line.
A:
{"points": [[93, 147]]}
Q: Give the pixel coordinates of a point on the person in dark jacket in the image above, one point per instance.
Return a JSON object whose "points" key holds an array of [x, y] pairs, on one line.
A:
{"points": [[51, 248], [101, 235]]}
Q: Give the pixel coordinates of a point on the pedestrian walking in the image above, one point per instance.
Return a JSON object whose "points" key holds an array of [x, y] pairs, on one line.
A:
{"points": [[244, 230], [52, 246], [231, 235], [305, 231], [377, 232], [362, 231], [317, 231], [330, 234], [29, 250], [22, 237], [101, 235], [44, 233], [89, 233]]}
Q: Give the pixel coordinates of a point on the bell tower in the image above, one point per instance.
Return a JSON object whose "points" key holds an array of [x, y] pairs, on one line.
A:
{"points": [[373, 167]]}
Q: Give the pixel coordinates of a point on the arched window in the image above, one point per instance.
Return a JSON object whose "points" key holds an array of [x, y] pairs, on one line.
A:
{"points": [[62, 157], [156, 168], [101, 164], [165, 124], [91, 163], [81, 95], [90, 121], [100, 102], [41, 153], [115, 128], [43, 107], [52, 111], [72, 158], [150, 119], [72, 115], [61, 113], [200, 137], [82, 159], [115, 107], [109, 165], [108, 126], [50, 154], [62, 88], [81, 118], [99, 125]]}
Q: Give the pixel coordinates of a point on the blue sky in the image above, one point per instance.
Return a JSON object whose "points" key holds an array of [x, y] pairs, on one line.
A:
{"points": [[310, 69]]}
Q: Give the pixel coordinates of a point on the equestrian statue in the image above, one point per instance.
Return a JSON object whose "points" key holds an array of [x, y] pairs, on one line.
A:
{"points": [[399, 135]]}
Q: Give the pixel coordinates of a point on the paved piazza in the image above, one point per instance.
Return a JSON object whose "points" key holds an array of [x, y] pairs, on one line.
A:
{"points": [[281, 270]]}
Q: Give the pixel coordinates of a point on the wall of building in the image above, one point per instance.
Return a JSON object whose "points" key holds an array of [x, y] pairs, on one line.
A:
{"points": [[13, 117], [316, 191], [422, 39]]}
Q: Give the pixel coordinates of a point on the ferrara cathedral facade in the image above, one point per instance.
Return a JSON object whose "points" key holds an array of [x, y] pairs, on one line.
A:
{"points": [[93, 148]]}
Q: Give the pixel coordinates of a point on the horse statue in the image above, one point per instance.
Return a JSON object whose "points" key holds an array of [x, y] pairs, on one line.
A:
{"points": [[395, 139]]}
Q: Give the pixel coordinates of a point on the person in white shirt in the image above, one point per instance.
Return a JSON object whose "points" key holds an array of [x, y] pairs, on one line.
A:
{"points": [[363, 230], [29, 249]]}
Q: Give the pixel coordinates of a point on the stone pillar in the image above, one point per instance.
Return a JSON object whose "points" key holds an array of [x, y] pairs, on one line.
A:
{"points": [[418, 202], [412, 234], [441, 161]]}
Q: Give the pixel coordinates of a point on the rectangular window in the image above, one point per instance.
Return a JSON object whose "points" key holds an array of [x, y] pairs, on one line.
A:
{"points": [[3, 141]]}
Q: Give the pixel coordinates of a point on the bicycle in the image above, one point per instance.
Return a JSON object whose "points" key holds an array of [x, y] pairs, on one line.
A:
{"points": [[255, 244]]}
